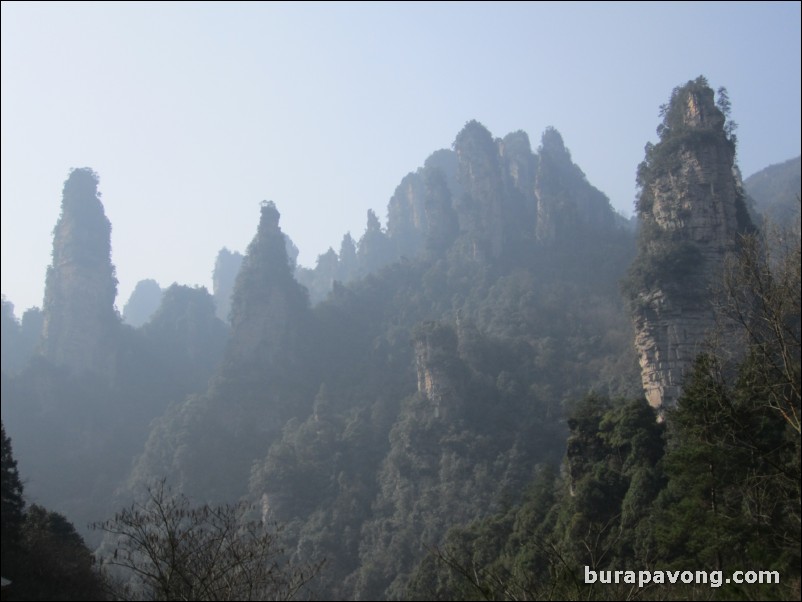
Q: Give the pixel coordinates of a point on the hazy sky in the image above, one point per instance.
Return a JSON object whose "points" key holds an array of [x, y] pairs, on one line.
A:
{"points": [[193, 113]]}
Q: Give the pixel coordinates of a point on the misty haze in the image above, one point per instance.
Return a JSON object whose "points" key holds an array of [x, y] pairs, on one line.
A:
{"points": [[498, 381]]}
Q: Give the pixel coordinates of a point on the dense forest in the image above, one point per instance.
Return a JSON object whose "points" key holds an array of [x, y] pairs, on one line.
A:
{"points": [[509, 391]]}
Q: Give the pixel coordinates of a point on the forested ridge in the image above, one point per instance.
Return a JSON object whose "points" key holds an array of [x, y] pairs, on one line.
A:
{"points": [[449, 407]]}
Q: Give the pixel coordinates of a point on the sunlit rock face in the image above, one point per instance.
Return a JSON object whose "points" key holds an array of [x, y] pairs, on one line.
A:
{"points": [[691, 212], [80, 322], [435, 361]]}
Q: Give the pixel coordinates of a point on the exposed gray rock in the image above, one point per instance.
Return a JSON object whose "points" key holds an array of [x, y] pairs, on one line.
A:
{"points": [[692, 211]]}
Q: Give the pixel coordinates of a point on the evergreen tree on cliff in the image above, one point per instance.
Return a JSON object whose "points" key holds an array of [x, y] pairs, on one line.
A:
{"points": [[42, 555], [12, 503]]}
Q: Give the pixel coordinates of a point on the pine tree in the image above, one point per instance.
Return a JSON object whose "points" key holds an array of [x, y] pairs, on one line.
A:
{"points": [[13, 504]]}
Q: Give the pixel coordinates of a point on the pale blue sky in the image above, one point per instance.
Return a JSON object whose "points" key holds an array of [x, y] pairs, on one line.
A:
{"points": [[193, 113]]}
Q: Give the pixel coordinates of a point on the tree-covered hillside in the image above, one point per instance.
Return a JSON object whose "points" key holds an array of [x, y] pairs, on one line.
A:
{"points": [[448, 407], [776, 190], [425, 394]]}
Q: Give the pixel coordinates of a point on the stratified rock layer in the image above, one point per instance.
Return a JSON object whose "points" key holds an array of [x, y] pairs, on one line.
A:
{"points": [[691, 211]]}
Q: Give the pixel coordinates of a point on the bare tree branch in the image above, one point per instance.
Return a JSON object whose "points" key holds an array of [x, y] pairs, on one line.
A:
{"points": [[173, 551]]}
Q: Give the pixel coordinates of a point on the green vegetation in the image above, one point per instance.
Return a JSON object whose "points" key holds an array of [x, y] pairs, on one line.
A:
{"points": [[690, 121], [714, 487], [43, 556], [718, 489], [695, 135], [451, 410]]}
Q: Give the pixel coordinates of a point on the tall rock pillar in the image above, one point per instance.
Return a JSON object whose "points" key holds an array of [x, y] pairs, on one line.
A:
{"points": [[80, 322], [691, 211]]}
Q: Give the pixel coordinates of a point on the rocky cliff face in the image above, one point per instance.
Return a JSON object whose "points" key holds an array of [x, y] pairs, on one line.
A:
{"points": [[481, 209], [207, 443], [421, 213], [80, 322], [566, 203], [407, 220], [437, 364], [497, 193], [226, 268], [520, 168], [492, 195], [268, 304], [691, 211]]}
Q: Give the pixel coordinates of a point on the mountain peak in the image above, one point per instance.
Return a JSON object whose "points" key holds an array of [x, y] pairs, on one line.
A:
{"points": [[552, 143], [269, 217], [79, 314], [692, 211]]}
